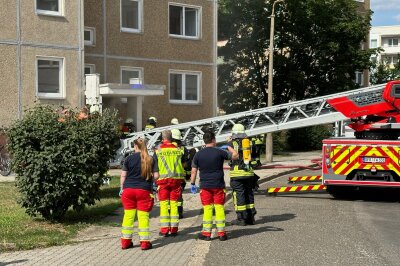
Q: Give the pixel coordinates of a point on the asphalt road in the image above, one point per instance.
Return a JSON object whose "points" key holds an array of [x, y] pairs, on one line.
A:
{"points": [[314, 229]]}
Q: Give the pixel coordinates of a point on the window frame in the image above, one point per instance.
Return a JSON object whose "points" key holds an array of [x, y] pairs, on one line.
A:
{"points": [[59, 13], [376, 41], [392, 45], [131, 68], [61, 80], [140, 19], [184, 73], [92, 31], [92, 68], [198, 22], [357, 74]]}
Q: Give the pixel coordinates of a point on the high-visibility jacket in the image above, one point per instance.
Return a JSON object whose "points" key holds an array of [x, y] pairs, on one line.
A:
{"points": [[149, 126], [186, 158], [257, 140], [170, 162], [238, 170]]}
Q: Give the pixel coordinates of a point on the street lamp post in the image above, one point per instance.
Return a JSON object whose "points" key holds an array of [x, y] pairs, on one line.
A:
{"points": [[269, 142]]}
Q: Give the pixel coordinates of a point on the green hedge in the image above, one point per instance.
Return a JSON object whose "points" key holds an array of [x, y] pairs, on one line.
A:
{"points": [[308, 138], [60, 157]]}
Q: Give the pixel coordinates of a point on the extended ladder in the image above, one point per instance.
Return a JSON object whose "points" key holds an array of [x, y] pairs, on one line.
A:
{"points": [[304, 113]]}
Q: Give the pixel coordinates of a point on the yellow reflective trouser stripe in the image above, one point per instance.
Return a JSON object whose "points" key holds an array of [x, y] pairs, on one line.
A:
{"points": [[164, 214], [220, 217], [249, 206], [174, 213], [234, 200], [143, 226], [241, 208], [127, 223], [207, 218]]}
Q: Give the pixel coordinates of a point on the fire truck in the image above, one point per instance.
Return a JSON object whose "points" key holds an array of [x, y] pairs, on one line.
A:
{"points": [[372, 158]]}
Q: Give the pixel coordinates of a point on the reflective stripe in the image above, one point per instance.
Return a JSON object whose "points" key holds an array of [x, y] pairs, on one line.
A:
{"points": [[241, 208], [164, 224], [144, 230], [173, 176], [127, 228], [174, 224], [221, 228], [144, 237], [205, 229], [219, 222], [249, 206], [127, 236], [174, 217], [207, 222], [164, 217]]}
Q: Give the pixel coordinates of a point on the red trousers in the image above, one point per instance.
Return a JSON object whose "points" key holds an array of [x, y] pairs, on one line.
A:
{"points": [[138, 199], [210, 196], [169, 189], [169, 192]]}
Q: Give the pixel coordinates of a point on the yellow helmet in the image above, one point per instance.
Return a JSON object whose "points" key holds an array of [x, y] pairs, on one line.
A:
{"points": [[174, 121], [176, 134], [237, 129]]}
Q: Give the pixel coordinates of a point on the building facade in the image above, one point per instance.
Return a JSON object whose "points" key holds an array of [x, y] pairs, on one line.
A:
{"points": [[387, 38], [47, 47]]}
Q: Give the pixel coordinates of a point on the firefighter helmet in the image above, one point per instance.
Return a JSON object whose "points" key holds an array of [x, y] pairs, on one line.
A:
{"points": [[174, 121], [238, 129], [176, 134]]}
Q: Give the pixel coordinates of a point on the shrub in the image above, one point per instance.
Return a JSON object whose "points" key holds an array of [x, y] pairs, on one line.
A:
{"points": [[60, 157], [308, 138]]}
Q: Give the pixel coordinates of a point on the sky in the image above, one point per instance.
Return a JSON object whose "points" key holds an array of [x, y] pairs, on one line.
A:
{"points": [[386, 12]]}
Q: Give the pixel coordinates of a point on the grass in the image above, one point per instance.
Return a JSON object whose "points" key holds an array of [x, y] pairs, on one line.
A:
{"points": [[19, 231]]}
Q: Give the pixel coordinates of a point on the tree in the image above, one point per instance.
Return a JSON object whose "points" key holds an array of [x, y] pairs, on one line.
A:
{"points": [[60, 158], [381, 73], [317, 50]]}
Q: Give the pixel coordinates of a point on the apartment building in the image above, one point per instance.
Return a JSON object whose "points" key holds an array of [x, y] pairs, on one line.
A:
{"points": [[388, 38], [47, 47]]}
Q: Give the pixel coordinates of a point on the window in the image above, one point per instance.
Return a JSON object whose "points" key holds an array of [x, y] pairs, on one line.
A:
{"points": [[131, 75], [49, 7], [184, 87], [50, 77], [184, 21], [359, 78], [393, 42], [374, 43], [90, 36], [90, 69], [131, 15]]}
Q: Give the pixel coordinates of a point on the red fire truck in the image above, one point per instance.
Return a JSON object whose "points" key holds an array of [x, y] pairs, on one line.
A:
{"points": [[372, 158]]}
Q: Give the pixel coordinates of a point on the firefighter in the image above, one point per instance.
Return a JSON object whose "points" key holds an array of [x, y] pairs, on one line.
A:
{"points": [[136, 194], [176, 140], [210, 162], [174, 121], [151, 123], [128, 127], [171, 175], [256, 144], [242, 177]]}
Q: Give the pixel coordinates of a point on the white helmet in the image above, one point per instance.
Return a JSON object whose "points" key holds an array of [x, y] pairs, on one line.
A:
{"points": [[129, 121], [176, 134], [174, 121], [238, 129], [152, 118]]}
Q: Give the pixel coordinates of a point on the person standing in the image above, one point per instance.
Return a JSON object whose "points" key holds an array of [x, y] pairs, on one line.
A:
{"points": [[169, 159], [151, 123], [210, 161], [176, 140], [136, 194], [242, 178]]}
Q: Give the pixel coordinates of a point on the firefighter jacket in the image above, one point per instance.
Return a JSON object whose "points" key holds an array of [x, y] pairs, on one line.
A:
{"points": [[239, 170]]}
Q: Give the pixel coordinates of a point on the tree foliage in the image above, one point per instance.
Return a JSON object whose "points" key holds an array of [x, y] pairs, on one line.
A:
{"points": [[60, 158], [382, 73], [317, 51]]}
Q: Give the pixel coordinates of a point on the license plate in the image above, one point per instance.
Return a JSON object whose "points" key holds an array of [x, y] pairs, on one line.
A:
{"points": [[373, 160]]}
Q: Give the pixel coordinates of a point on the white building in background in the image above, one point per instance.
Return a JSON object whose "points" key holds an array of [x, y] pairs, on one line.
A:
{"points": [[388, 38]]}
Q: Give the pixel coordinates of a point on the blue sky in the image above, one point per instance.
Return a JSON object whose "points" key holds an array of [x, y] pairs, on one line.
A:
{"points": [[386, 12]]}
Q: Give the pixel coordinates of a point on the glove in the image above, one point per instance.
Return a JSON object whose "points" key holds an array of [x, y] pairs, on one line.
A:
{"points": [[120, 191], [193, 188]]}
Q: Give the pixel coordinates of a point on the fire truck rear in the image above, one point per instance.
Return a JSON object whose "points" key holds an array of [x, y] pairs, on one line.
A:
{"points": [[372, 158]]}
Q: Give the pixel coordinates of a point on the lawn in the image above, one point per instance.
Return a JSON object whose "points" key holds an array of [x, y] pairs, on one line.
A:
{"points": [[19, 231]]}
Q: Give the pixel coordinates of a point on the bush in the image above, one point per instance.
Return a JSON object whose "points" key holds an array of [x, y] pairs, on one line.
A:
{"points": [[309, 138], [60, 157]]}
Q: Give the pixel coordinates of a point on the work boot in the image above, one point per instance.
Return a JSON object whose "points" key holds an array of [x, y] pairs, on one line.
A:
{"points": [[238, 222], [145, 245], [223, 238], [203, 237], [126, 243], [250, 220]]}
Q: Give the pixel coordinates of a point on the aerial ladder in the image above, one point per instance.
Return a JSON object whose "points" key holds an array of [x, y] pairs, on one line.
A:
{"points": [[297, 114]]}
